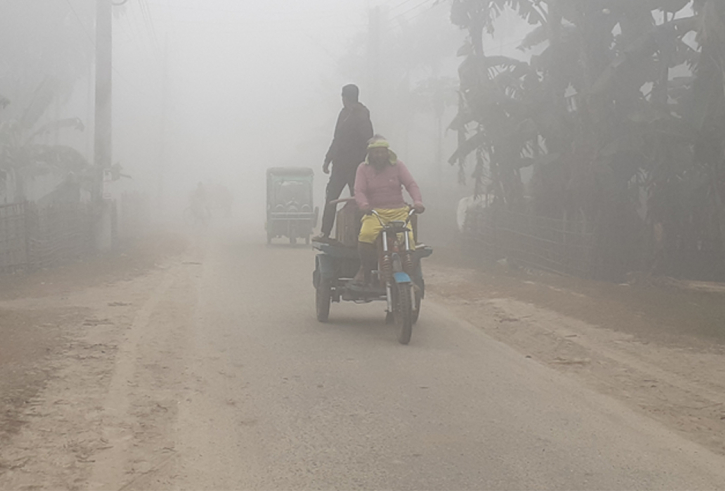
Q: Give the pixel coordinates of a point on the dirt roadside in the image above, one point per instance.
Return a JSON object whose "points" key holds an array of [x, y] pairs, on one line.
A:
{"points": [[62, 330], [91, 374], [658, 349]]}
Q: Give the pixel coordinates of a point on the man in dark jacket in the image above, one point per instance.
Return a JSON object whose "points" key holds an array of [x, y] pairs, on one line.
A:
{"points": [[348, 150]]}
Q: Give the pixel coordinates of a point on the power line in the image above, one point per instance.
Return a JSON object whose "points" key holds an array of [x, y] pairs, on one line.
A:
{"points": [[411, 9], [140, 33], [422, 12], [400, 4], [83, 26], [149, 21], [236, 25], [214, 10], [93, 43], [149, 17], [133, 33]]}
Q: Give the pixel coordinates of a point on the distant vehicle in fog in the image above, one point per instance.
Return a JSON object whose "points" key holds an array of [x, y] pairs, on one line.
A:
{"points": [[290, 207]]}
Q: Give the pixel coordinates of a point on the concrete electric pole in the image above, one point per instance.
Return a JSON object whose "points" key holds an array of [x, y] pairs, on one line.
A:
{"points": [[103, 134], [103, 149]]}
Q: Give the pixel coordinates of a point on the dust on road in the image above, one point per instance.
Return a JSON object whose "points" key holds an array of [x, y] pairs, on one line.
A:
{"points": [[640, 344], [105, 374], [62, 329]]}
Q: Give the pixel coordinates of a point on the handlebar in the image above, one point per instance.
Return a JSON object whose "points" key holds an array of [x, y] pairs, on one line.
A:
{"points": [[380, 219]]}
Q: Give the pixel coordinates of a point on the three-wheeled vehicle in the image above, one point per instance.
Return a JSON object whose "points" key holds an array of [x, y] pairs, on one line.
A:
{"points": [[398, 280], [290, 209]]}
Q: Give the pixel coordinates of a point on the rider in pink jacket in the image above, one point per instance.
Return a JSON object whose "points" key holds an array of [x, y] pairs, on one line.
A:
{"points": [[379, 184]]}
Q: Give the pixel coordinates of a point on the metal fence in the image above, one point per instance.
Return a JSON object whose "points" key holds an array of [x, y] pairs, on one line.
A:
{"points": [[559, 246], [14, 240], [32, 237]]}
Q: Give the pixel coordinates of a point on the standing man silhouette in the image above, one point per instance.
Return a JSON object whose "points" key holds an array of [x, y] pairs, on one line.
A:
{"points": [[347, 151]]}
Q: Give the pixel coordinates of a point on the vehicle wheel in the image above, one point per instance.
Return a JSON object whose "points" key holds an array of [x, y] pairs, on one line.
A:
{"points": [[403, 307], [323, 298], [417, 300]]}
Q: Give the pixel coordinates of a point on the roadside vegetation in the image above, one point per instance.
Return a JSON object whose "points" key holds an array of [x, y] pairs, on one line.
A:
{"points": [[619, 109]]}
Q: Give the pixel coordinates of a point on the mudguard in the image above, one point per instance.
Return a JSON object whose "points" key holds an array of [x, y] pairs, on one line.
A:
{"points": [[324, 267], [401, 277], [419, 285]]}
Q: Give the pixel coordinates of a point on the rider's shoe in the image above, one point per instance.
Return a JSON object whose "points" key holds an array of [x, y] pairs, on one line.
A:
{"points": [[359, 279], [321, 238]]}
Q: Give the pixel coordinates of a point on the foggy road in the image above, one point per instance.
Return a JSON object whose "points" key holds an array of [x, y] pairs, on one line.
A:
{"points": [[571, 156], [259, 395]]}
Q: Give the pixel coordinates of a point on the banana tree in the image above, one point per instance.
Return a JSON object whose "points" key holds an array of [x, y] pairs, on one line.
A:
{"points": [[24, 156], [617, 99]]}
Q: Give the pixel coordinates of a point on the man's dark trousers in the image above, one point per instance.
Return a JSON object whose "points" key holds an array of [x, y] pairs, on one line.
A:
{"points": [[340, 177]]}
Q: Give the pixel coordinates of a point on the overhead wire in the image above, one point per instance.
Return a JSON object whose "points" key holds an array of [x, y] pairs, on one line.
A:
{"points": [[139, 31], [411, 9], [213, 10], [149, 22], [83, 27], [93, 43], [133, 33], [422, 12], [399, 5], [150, 18], [136, 34]]}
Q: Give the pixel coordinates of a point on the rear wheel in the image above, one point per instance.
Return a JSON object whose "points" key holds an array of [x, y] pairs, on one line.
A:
{"points": [[403, 308], [323, 298]]}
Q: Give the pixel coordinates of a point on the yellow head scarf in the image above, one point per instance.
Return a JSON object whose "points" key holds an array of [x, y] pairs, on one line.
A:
{"points": [[380, 142]]}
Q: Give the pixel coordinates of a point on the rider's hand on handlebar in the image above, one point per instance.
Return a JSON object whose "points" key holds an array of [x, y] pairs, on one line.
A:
{"points": [[419, 208]]}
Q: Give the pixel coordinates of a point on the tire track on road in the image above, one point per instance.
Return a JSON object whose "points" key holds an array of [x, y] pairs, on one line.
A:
{"points": [[109, 469]]}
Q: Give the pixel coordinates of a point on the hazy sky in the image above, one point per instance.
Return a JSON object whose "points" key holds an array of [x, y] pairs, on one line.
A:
{"points": [[250, 83]]}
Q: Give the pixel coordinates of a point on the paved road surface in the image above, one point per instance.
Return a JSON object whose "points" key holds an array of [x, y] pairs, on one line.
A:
{"points": [[289, 403]]}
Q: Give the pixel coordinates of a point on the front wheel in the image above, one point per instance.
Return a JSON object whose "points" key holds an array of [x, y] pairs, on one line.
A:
{"points": [[403, 311], [323, 298]]}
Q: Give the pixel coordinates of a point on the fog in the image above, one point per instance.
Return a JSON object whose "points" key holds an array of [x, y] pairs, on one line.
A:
{"points": [[218, 91], [243, 85], [249, 85], [552, 320]]}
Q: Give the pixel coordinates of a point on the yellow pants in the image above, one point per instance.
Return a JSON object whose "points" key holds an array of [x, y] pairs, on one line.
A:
{"points": [[371, 227]]}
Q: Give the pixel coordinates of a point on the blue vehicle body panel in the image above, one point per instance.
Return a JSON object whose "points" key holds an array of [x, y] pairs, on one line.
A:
{"points": [[401, 277]]}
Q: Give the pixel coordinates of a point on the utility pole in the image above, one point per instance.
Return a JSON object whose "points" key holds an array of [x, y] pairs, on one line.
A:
{"points": [[103, 149], [103, 135], [162, 129]]}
